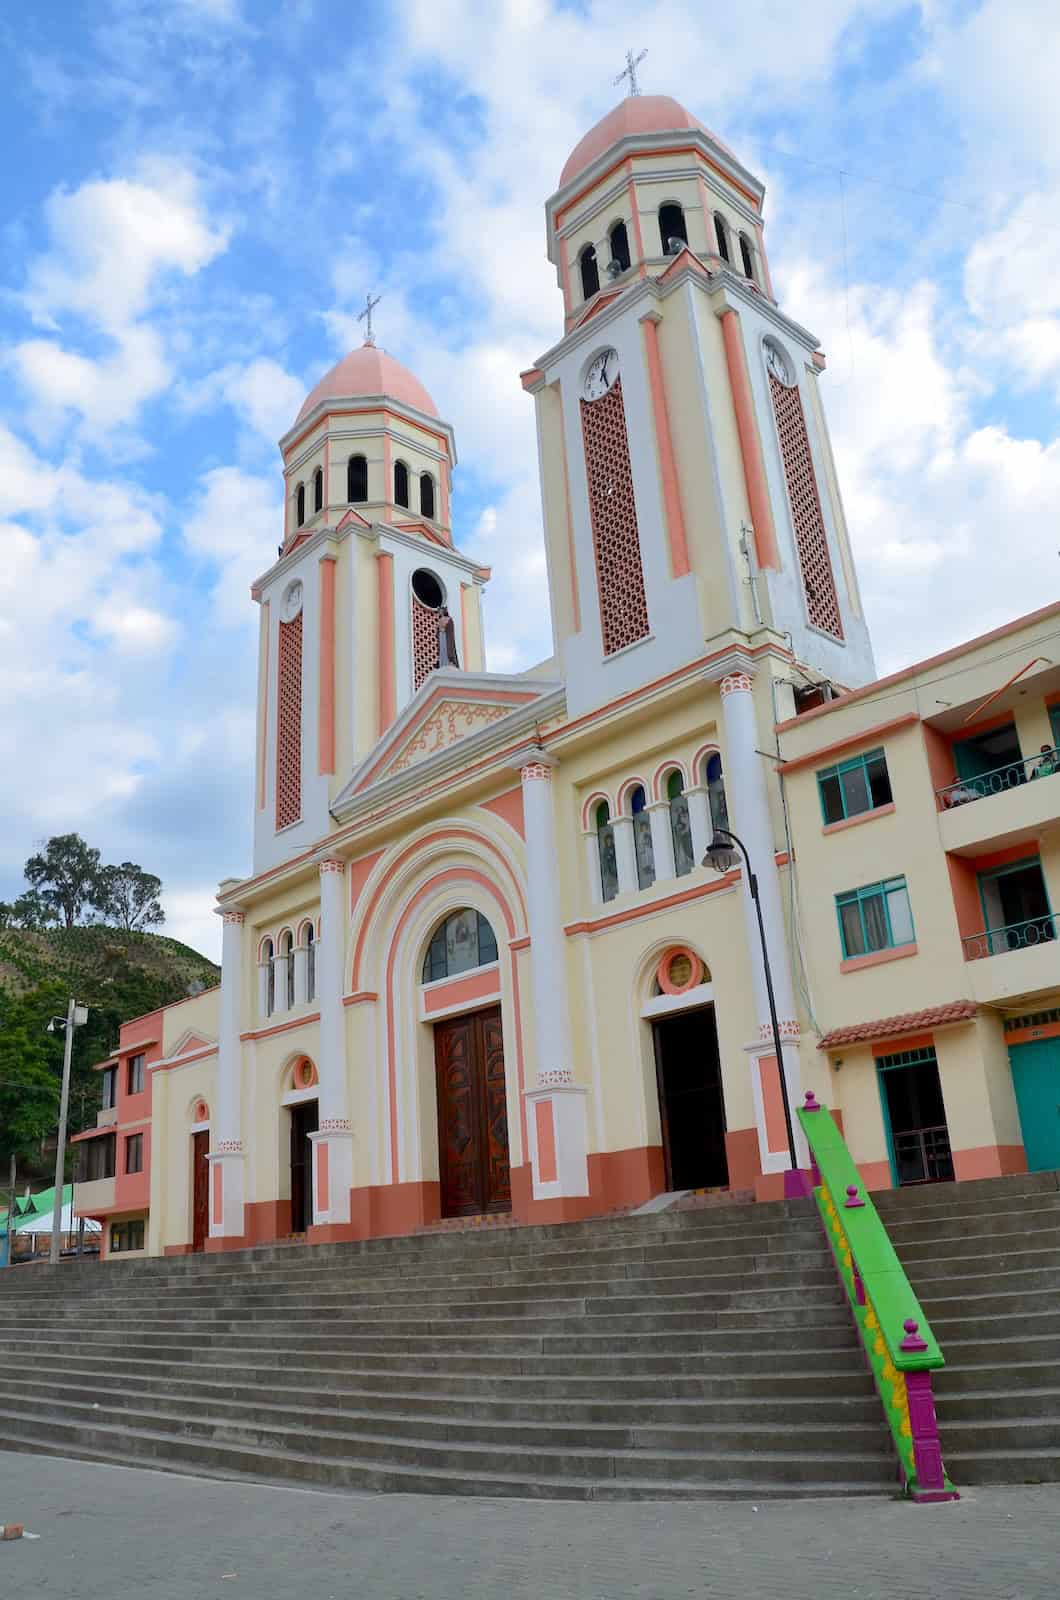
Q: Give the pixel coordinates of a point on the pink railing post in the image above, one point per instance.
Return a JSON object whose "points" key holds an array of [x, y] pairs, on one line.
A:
{"points": [[927, 1451]]}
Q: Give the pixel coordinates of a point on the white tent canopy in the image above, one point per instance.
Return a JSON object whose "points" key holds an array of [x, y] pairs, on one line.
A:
{"points": [[67, 1223]]}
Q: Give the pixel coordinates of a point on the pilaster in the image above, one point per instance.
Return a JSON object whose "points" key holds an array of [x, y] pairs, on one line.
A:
{"points": [[227, 1181], [333, 1142]]}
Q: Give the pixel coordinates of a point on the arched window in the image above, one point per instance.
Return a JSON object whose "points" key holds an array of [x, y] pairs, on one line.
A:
{"points": [[605, 839], [721, 228], [746, 257], [318, 489], [680, 826], [590, 272], [642, 839], [287, 954], [427, 495], [401, 483], [299, 504], [618, 239], [268, 970], [719, 811], [356, 479], [310, 963], [672, 228], [462, 942]]}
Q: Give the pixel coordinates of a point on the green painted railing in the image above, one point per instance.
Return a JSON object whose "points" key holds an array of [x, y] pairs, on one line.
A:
{"points": [[899, 1346]]}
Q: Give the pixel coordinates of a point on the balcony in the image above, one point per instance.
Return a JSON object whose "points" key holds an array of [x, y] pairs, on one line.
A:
{"points": [[107, 1118], [93, 1197], [1015, 962], [1010, 805]]}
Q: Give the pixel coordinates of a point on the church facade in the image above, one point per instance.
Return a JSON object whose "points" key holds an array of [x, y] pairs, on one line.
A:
{"points": [[484, 966]]}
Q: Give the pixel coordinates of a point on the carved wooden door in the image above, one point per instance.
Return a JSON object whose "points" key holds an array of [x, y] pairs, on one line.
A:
{"points": [[472, 1115], [200, 1189]]}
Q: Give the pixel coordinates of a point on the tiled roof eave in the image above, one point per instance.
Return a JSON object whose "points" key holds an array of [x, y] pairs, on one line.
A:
{"points": [[905, 1022]]}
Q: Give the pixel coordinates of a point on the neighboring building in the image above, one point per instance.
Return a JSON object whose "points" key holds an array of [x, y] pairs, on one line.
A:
{"points": [[478, 968]]}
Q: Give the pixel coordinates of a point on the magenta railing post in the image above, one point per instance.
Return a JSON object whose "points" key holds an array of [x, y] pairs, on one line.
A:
{"points": [[927, 1452], [815, 1171]]}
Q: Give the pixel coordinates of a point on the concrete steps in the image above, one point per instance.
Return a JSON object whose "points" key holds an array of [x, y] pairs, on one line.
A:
{"points": [[984, 1259], [692, 1355]]}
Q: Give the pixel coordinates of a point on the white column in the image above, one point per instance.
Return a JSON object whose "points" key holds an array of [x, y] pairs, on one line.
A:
{"points": [[280, 968], [333, 1143], [592, 865], [301, 974], [625, 855], [557, 1114], [699, 821], [226, 1158], [662, 840], [263, 989], [748, 795]]}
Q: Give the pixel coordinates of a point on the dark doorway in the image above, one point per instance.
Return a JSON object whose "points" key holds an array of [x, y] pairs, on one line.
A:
{"points": [[303, 1123], [472, 1115], [200, 1189], [691, 1105], [916, 1117]]}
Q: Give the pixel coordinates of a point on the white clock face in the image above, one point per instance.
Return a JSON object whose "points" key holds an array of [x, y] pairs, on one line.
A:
{"points": [[603, 371], [777, 363], [291, 604]]}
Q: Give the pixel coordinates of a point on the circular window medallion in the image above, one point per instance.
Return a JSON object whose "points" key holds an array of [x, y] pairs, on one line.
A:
{"points": [[679, 970], [305, 1074], [200, 1112]]}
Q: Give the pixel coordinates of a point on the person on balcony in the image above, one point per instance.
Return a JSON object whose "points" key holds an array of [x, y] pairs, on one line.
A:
{"points": [[1047, 764]]}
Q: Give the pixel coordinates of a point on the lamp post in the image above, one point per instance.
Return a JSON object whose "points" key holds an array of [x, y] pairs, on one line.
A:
{"points": [[721, 855], [76, 1017]]}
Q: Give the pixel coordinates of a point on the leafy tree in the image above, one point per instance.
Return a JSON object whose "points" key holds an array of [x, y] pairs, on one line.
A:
{"points": [[66, 874], [128, 896], [34, 911], [30, 1077]]}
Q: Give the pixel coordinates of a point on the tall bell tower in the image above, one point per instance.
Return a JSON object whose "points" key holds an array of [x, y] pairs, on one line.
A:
{"points": [[687, 476]]}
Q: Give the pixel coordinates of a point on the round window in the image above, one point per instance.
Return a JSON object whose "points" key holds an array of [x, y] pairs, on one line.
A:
{"points": [[427, 589]]}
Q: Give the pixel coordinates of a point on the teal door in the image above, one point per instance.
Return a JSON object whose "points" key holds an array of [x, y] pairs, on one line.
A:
{"points": [[1036, 1076]]}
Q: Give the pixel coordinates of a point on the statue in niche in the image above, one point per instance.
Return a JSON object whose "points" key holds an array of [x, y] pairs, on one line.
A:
{"points": [[447, 656]]}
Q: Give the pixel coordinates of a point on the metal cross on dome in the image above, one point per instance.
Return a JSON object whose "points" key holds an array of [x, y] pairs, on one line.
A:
{"points": [[631, 71], [366, 317]]}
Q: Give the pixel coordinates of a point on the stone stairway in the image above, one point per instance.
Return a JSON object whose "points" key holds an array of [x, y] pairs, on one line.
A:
{"points": [[984, 1260], [700, 1354]]}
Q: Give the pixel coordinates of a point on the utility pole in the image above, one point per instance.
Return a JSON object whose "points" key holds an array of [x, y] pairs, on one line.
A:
{"points": [[75, 1016], [11, 1212]]}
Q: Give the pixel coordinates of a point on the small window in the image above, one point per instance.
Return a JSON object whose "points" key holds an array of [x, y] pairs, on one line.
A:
{"points": [[127, 1235], [462, 942], [680, 825], [135, 1078], [719, 810], [746, 258], [134, 1152], [356, 480], [876, 917], [590, 272], [110, 1088], [299, 502], [721, 228], [318, 489], [97, 1158], [642, 844], [618, 239], [672, 229], [854, 787], [270, 977], [401, 483], [310, 964], [605, 840], [427, 495], [287, 952]]}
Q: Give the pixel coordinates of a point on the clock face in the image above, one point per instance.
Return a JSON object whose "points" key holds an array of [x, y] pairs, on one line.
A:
{"points": [[603, 370], [777, 362], [291, 604]]}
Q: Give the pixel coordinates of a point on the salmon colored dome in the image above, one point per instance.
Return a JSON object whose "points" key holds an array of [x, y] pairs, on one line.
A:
{"points": [[637, 114], [369, 370]]}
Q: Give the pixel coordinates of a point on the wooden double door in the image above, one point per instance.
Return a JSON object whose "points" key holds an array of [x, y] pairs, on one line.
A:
{"points": [[200, 1189], [473, 1158]]}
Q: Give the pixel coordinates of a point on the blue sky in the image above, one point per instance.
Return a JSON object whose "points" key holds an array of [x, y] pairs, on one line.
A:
{"points": [[200, 192]]}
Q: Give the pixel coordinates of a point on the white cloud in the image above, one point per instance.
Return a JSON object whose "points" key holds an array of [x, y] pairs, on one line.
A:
{"points": [[104, 393], [191, 919], [235, 525], [263, 395]]}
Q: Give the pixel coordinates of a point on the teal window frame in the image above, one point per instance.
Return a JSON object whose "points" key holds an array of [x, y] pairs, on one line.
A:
{"points": [[868, 891], [1054, 723], [856, 763]]}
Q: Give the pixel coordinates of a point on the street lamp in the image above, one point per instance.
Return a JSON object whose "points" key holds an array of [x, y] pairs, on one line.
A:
{"points": [[76, 1017], [723, 853]]}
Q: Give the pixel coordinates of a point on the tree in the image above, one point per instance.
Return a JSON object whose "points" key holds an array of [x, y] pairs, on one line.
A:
{"points": [[128, 896], [30, 1075], [66, 875], [33, 910]]}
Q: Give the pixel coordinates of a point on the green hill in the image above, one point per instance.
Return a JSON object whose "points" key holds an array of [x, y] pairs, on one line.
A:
{"points": [[99, 964]]}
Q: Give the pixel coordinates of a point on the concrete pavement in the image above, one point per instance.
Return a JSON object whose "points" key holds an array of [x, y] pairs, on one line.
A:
{"points": [[113, 1533]]}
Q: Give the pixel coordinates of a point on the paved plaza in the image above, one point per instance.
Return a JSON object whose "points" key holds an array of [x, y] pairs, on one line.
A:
{"points": [[111, 1533]]}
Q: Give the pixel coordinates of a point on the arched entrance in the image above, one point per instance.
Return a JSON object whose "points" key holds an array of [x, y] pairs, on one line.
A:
{"points": [[460, 969], [688, 1074], [304, 1116]]}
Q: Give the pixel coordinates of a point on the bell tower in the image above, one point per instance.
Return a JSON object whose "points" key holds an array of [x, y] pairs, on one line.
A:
{"points": [[367, 597], [687, 476]]}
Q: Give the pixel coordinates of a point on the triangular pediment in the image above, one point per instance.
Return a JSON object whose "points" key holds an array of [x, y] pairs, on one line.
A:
{"points": [[449, 707], [190, 1040]]}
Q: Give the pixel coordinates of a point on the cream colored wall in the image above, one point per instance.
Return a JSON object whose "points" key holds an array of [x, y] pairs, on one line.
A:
{"points": [[855, 1091], [200, 1012], [556, 510], [173, 1095], [357, 435]]}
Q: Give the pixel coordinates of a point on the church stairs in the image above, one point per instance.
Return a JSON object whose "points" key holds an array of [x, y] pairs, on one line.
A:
{"points": [[680, 1355]]}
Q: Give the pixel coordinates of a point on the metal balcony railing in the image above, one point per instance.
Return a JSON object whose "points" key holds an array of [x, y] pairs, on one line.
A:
{"points": [[1010, 776], [1017, 936], [922, 1155]]}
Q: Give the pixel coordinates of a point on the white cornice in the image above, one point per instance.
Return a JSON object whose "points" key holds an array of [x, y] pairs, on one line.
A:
{"points": [[367, 402], [383, 533]]}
